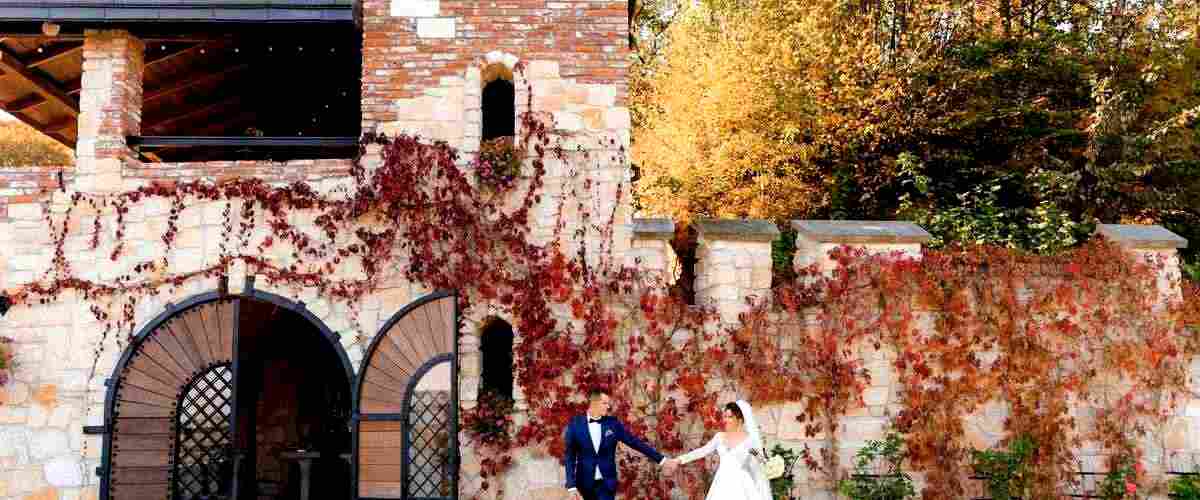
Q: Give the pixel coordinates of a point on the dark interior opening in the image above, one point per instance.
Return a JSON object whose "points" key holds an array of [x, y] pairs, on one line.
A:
{"points": [[499, 109], [293, 82], [293, 402], [496, 348]]}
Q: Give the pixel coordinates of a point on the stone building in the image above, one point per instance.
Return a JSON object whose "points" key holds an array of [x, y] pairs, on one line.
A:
{"points": [[207, 400]]}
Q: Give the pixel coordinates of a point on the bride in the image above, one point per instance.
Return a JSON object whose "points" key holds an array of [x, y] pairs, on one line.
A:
{"points": [[740, 475]]}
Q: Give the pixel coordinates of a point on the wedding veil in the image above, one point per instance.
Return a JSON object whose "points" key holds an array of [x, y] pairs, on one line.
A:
{"points": [[756, 443]]}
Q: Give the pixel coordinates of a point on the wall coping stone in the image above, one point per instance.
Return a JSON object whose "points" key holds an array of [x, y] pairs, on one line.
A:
{"points": [[737, 230], [653, 229], [861, 231], [1142, 236]]}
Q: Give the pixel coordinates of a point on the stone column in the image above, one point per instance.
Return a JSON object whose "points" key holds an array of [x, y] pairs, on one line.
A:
{"points": [[733, 261], [1151, 243], [110, 107], [816, 238], [650, 250]]}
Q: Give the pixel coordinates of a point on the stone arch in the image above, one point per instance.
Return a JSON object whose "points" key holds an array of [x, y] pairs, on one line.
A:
{"points": [[155, 371], [495, 66]]}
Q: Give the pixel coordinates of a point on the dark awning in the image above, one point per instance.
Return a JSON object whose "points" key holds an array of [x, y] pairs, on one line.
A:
{"points": [[209, 11]]}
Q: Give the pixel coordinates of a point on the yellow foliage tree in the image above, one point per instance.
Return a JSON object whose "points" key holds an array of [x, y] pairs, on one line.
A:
{"points": [[22, 146]]}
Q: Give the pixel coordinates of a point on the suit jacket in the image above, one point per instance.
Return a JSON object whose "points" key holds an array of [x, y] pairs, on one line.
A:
{"points": [[581, 458]]}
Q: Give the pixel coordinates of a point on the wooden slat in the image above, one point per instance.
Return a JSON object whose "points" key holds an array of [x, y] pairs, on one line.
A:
{"points": [[427, 323], [379, 473], [173, 331], [134, 393], [136, 426], [446, 324], [395, 364], [368, 405], [142, 458], [163, 57], [379, 490], [193, 326], [176, 352], [389, 439], [390, 398], [140, 475], [412, 330], [55, 54], [24, 103], [380, 426], [378, 374], [379, 456], [12, 65], [226, 319], [143, 442], [126, 409], [139, 492], [190, 80], [212, 344], [156, 356], [135, 376], [191, 113], [408, 348]]}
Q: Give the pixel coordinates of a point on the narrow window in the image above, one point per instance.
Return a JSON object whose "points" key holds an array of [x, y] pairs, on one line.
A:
{"points": [[496, 349], [499, 109]]}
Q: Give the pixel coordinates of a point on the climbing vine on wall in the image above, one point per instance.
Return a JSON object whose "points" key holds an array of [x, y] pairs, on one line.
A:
{"points": [[963, 327]]}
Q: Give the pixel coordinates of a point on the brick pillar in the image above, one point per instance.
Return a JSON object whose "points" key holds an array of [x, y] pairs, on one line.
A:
{"points": [[816, 238], [1152, 243], [733, 261], [110, 107]]}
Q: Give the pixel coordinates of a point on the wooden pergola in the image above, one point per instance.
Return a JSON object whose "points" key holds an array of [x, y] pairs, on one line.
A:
{"points": [[211, 90]]}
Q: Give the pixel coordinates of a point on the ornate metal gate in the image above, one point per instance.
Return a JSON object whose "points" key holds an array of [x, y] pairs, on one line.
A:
{"points": [[406, 405], [203, 467], [429, 458]]}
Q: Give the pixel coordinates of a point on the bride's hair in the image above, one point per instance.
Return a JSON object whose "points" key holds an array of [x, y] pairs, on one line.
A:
{"points": [[736, 410]]}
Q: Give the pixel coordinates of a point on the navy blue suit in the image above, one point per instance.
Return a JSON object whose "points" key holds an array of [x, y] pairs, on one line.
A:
{"points": [[582, 458]]}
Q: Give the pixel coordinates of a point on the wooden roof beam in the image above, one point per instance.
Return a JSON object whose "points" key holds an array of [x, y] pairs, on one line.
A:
{"points": [[74, 85], [167, 56], [190, 81], [58, 53], [191, 113], [24, 103], [45, 87]]}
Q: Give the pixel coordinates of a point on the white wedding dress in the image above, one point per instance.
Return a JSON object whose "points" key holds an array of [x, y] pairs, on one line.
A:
{"points": [[740, 475]]}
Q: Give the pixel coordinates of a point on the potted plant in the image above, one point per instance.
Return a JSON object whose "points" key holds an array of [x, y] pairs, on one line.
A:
{"points": [[499, 163], [1007, 473], [879, 473]]}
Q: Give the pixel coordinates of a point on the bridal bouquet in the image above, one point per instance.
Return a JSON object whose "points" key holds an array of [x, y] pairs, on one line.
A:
{"points": [[777, 467]]}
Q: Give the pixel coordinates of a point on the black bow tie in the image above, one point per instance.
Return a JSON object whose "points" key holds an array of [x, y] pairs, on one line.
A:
{"points": [[593, 420]]}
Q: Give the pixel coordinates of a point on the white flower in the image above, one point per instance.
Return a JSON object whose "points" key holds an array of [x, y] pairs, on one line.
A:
{"points": [[775, 467]]}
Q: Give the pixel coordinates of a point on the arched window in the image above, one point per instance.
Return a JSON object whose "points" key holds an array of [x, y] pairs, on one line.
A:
{"points": [[499, 103], [496, 348]]}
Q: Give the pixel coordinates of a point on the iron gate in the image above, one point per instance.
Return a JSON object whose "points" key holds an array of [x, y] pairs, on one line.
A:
{"points": [[203, 466]]}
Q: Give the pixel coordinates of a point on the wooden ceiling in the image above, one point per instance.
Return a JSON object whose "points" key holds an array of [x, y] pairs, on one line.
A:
{"points": [[292, 82]]}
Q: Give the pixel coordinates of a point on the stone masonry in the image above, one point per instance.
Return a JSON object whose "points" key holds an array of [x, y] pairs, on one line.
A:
{"points": [[425, 63]]}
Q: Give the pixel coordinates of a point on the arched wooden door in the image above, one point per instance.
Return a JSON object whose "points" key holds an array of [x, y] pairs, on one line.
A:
{"points": [[171, 428], [170, 407], [406, 433]]}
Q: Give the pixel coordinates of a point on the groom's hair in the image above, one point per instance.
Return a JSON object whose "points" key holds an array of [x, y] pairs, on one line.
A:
{"points": [[596, 392]]}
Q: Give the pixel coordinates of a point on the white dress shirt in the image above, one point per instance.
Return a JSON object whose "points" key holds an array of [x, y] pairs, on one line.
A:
{"points": [[594, 430]]}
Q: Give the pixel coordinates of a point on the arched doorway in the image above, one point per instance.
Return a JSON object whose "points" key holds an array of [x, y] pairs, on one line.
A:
{"points": [[229, 397], [406, 405]]}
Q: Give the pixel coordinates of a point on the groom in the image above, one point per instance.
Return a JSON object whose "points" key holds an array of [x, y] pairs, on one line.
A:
{"points": [[591, 445]]}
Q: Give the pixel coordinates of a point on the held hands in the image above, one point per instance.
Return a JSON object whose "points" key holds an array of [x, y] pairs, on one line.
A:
{"points": [[669, 465]]}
